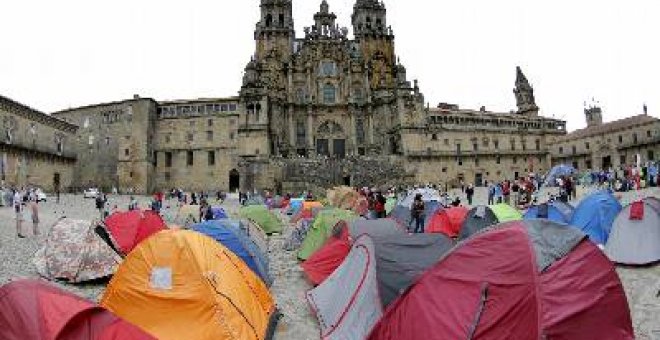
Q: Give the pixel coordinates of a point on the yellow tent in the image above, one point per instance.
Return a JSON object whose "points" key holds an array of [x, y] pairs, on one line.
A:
{"points": [[180, 284]]}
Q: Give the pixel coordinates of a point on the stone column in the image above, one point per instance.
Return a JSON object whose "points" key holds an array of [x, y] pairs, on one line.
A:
{"points": [[371, 126], [292, 127], [353, 132], [310, 131]]}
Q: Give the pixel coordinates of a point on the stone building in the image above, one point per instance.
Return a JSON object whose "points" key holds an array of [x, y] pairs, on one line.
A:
{"points": [[35, 149], [609, 145], [318, 110]]}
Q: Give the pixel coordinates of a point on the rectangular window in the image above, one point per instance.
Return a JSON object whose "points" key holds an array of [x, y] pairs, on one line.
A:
{"points": [[446, 141], [434, 137], [575, 165], [588, 164], [190, 158], [210, 122], [513, 145], [211, 158], [651, 155], [301, 133], [127, 152], [498, 160], [561, 150], [359, 131], [460, 161], [475, 147], [209, 136], [223, 108], [524, 145], [497, 144], [574, 149], [322, 147], [444, 169], [620, 139], [586, 145], [168, 159], [538, 145], [232, 107], [635, 138], [476, 161], [622, 159], [648, 133], [190, 137], [458, 149], [329, 94]]}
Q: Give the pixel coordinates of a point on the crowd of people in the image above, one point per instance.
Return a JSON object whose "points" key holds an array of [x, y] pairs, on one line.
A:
{"points": [[25, 203]]}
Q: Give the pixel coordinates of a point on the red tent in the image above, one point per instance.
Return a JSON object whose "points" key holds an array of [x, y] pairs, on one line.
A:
{"points": [[524, 280], [447, 221], [35, 310], [324, 261], [130, 228]]}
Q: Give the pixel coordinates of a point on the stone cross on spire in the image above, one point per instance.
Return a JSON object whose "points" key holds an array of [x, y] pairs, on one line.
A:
{"points": [[524, 95]]}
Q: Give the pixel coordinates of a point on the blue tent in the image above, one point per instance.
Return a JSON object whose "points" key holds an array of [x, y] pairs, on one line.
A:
{"points": [[557, 211], [295, 204], [595, 215], [556, 172], [219, 213], [231, 234]]}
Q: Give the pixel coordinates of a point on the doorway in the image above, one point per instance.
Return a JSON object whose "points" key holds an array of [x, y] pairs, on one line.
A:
{"points": [[347, 181], [607, 162], [234, 180], [479, 180]]}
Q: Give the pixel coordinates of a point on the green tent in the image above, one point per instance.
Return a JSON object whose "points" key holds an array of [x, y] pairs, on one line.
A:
{"points": [[389, 205], [321, 230], [262, 217], [506, 213]]}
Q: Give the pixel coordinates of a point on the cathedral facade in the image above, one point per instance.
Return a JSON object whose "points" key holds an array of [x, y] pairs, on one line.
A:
{"points": [[316, 110]]}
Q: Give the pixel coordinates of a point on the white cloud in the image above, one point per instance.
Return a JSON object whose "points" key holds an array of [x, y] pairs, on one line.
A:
{"points": [[59, 54]]}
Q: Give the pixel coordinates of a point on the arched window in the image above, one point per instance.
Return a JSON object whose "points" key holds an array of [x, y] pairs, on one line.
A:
{"points": [[329, 94], [269, 20]]}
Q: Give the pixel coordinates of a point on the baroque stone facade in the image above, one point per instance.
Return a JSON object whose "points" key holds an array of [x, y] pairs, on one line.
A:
{"points": [[316, 111], [35, 149]]}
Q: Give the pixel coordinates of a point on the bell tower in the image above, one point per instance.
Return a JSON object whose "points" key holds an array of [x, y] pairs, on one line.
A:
{"points": [[375, 38], [525, 95], [275, 31]]}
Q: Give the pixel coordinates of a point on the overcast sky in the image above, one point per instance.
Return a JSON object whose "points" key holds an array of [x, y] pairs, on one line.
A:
{"points": [[67, 53]]}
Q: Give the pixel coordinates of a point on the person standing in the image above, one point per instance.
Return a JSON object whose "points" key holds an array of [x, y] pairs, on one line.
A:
{"points": [[34, 208], [17, 202], [470, 193], [491, 194], [380, 205], [417, 212], [100, 205]]}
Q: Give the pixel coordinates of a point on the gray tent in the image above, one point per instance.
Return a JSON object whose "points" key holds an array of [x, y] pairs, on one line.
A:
{"points": [[633, 240], [479, 218], [379, 227], [347, 304], [401, 259]]}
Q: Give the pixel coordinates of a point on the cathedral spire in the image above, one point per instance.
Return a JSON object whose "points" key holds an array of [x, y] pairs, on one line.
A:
{"points": [[524, 95]]}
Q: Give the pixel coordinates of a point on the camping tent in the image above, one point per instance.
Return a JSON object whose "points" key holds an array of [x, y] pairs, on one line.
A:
{"points": [[219, 213], [427, 195], [401, 259], [229, 233], [180, 284], [558, 171], [482, 217], [309, 205], [75, 253], [322, 229], [390, 204], [556, 211], [325, 260], [635, 236], [347, 304], [401, 214], [35, 310], [447, 221], [595, 215], [295, 204], [523, 280], [262, 217], [128, 229]]}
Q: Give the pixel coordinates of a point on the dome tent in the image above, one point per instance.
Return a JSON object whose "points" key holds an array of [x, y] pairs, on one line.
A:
{"points": [[520, 280], [128, 229], [180, 284], [595, 215], [556, 211], [229, 234], [75, 253], [447, 221], [635, 236], [482, 217], [36, 310]]}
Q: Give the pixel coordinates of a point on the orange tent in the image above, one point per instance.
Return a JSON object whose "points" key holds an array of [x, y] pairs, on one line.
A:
{"points": [[447, 221], [180, 284], [309, 205]]}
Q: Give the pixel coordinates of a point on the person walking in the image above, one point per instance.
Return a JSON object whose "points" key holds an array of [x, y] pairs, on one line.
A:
{"points": [[379, 206], [470, 193], [417, 212], [17, 202]]}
